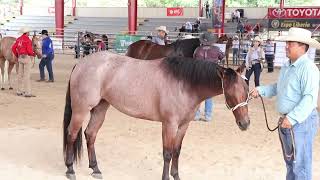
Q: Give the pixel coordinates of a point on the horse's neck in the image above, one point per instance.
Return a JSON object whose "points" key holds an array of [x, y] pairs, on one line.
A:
{"points": [[205, 92]]}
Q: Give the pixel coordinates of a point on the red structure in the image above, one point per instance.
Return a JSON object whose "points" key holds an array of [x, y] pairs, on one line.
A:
{"points": [[281, 4], [132, 16], [200, 9], [74, 5], [21, 7], [59, 15]]}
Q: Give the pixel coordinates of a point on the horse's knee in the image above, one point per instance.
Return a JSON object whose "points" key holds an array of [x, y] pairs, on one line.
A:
{"points": [[167, 155], [176, 151]]}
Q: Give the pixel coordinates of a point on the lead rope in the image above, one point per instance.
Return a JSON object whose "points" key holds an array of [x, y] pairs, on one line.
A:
{"points": [[288, 156]]}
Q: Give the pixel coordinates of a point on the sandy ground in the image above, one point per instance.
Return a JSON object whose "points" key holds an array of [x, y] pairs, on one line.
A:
{"points": [[131, 149]]}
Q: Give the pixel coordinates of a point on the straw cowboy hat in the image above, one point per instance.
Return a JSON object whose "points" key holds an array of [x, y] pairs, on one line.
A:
{"points": [[257, 38], [235, 37], [24, 30], [208, 38], [300, 35], [162, 28]]}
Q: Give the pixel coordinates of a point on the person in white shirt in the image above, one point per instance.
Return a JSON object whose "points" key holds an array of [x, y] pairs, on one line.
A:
{"points": [[235, 49], [253, 61], [188, 27], [238, 16], [269, 49]]}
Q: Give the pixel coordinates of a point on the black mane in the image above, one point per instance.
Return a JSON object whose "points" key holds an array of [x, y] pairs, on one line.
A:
{"points": [[197, 72], [185, 47]]}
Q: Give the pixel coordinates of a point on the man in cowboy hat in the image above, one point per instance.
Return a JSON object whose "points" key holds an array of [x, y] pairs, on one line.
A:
{"points": [[161, 37], [47, 57], [253, 61], [22, 49], [212, 53], [297, 95]]}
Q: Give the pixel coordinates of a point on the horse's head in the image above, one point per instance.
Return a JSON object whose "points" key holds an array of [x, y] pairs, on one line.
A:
{"points": [[236, 93], [37, 45]]}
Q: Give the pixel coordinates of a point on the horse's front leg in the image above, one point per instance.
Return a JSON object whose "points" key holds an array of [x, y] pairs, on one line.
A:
{"points": [[10, 67], [176, 150], [169, 132]]}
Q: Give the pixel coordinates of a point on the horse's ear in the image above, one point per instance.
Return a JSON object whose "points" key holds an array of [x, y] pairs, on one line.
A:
{"points": [[221, 72], [241, 68]]}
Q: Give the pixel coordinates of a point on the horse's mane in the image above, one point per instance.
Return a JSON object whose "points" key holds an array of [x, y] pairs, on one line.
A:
{"points": [[196, 72], [185, 47]]}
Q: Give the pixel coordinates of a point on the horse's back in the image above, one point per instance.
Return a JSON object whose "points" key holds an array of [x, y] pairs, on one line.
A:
{"points": [[5, 47], [115, 79], [135, 49]]}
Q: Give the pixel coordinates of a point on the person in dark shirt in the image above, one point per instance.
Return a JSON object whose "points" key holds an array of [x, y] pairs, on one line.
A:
{"points": [[47, 57]]}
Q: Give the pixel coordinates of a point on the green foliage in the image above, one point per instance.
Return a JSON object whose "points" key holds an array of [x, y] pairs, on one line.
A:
{"points": [[170, 3]]}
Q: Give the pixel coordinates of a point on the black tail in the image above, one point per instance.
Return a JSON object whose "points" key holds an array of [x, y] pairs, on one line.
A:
{"points": [[77, 148]]}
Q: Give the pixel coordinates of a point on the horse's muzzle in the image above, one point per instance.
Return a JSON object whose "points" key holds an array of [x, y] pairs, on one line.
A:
{"points": [[243, 124]]}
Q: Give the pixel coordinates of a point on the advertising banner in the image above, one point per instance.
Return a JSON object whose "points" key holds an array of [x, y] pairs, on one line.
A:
{"points": [[293, 13], [177, 11], [217, 14], [284, 24]]}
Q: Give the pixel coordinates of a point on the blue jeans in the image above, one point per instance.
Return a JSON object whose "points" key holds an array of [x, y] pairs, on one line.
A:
{"points": [[235, 55], [304, 134], [256, 69], [47, 61], [207, 110]]}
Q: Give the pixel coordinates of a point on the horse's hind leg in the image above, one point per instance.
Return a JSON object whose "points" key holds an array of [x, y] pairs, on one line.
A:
{"points": [[10, 67], [176, 151], [97, 117], [2, 65], [169, 132], [74, 140]]}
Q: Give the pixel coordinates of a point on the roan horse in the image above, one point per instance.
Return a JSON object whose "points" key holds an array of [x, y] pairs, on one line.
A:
{"points": [[176, 86], [7, 55], [145, 49]]}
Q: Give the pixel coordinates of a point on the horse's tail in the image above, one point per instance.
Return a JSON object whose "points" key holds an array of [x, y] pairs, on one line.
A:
{"points": [[77, 148]]}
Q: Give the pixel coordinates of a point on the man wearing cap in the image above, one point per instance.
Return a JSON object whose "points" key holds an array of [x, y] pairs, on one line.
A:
{"points": [[22, 49], [161, 37], [207, 52], [47, 57], [269, 48], [297, 94]]}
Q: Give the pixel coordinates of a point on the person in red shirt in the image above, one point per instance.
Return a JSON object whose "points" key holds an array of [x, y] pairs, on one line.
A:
{"points": [[101, 46], [22, 49]]}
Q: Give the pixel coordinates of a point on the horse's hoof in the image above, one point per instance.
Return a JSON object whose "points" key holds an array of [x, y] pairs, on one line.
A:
{"points": [[71, 176], [97, 175], [10, 88], [2, 89]]}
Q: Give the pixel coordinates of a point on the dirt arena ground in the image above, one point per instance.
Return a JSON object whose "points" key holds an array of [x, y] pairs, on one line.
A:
{"points": [[130, 149]]}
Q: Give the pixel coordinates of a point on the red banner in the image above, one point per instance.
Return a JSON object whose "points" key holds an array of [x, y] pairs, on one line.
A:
{"points": [[293, 13], [177, 11]]}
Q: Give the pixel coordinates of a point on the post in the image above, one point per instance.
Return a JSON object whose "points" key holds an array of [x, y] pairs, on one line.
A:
{"points": [[200, 9], [74, 5], [132, 16], [281, 4], [21, 7], [218, 15], [59, 16]]}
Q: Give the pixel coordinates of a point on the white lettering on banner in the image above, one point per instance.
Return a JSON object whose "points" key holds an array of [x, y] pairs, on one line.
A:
{"points": [[125, 43], [308, 12], [295, 13]]}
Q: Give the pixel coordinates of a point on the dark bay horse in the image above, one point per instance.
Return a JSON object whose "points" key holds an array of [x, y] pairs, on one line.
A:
{"points": [[145, 49], [7, 55], [224, 39], [176, 87]]}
